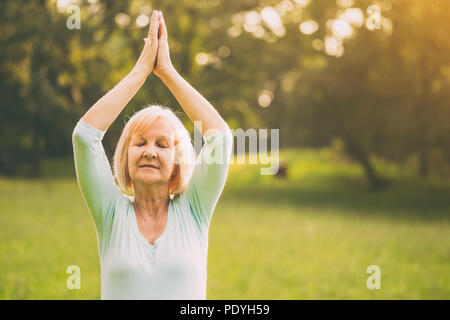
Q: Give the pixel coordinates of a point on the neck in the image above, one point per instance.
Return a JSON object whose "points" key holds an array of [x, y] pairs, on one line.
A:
{"points": [[151, 202]]}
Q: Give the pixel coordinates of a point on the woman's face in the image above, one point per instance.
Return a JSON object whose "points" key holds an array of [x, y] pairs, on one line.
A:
{"points": [[157, 140]]}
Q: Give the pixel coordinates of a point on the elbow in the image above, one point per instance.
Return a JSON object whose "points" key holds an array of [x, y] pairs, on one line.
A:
{"points": [[225, 127], [228, 132], [78, 137], [86, 134], [75, 135], [214, 128]]}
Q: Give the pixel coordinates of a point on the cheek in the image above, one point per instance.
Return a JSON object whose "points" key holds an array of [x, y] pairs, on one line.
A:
{"points": [[168, 158], [133, 156]]}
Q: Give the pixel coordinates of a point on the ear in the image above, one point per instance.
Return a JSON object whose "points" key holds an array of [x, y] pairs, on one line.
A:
{"points": [[173, 179]]}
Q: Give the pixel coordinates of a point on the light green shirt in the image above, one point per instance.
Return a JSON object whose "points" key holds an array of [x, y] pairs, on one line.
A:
{"points": [[131, 268]]}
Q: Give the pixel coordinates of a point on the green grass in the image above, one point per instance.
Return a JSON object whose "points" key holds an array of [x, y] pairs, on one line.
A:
{"points": [[310, 236]]}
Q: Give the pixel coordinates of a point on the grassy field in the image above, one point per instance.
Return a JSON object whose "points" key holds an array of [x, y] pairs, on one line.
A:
{"points": [[310, 236]]}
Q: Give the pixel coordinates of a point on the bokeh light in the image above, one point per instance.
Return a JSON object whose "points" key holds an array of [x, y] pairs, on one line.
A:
{"points": [[122, 19], [273, 20], [265, 98], [309, 27], [142, 20], [341, 29]]}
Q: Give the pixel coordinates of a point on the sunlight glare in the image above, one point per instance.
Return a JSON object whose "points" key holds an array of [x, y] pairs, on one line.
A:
{"points": [[273, 21]]}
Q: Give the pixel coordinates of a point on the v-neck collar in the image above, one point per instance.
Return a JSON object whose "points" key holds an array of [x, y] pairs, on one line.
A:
{"points": [[141, 238]]}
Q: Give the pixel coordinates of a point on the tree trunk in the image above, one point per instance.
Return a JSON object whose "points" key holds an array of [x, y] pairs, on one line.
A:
{"points": [[424, 163], [36, 151], [34, 104], [359, 155], [423, 110]]}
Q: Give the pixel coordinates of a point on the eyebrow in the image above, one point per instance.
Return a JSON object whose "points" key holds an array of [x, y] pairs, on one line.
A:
{"points": [[141, 136]]}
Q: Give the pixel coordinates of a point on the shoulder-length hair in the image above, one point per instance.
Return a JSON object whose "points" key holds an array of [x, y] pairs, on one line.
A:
{"points": [[184, 150]]}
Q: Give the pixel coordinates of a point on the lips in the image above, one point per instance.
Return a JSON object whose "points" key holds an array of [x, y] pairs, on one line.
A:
{"points": [[148, 166]]}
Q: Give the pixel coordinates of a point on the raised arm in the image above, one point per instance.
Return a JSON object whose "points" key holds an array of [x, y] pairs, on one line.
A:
{"points": [[103, 113], [193, 103]]}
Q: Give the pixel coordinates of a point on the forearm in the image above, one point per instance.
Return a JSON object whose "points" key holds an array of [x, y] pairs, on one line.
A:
{"points": [[103, 113], [193, 103]]}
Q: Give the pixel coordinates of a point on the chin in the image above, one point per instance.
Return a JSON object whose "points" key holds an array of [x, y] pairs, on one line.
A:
{"points": [[147, 178], [150, 180]]}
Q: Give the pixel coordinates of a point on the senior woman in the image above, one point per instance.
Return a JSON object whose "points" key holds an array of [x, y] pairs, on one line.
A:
{"points": [[152, 226]]}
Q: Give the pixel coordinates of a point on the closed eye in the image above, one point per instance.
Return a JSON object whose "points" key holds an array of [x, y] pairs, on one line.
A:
{"points": [[162, 143]]}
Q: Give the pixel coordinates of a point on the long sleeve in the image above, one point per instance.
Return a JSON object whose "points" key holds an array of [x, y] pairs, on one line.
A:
{"points": [[95, 178], [209, 176]]}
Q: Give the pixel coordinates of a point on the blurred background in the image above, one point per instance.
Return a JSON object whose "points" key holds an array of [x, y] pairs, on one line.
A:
{"points": [[360, 90]]}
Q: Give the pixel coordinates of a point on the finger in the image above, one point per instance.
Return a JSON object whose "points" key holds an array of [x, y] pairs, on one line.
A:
{"points": [[153, 30], [160, 26], [153, 20], [162, 43], [164, 28], [150, 25]]}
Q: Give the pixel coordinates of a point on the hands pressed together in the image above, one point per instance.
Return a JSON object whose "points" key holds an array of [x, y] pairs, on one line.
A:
{"points": [[155, 56]]}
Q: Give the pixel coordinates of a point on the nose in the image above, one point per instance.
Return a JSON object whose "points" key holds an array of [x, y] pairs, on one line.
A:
{"points": [[150, 151]]}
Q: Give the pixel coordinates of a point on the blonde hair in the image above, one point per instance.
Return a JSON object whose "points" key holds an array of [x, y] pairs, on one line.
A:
{"points": [[184, 150]]}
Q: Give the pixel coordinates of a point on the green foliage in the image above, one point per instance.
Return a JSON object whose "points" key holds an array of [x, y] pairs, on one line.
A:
{"points": [[386, 96]]}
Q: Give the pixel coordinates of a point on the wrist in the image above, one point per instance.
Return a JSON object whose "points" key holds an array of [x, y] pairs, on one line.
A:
{"points": [[140, 72], [167, 73]]}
